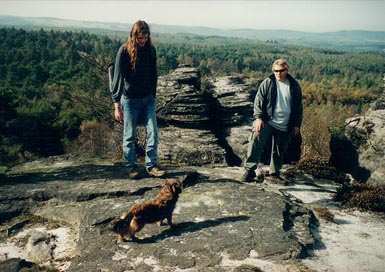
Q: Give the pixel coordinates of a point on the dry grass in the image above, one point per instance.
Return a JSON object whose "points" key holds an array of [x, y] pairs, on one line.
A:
{"points": [[320, 168], [365, 197], [247, 268], [324, 213]]}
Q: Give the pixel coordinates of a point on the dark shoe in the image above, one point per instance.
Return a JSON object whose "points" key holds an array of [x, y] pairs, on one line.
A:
{"points": [[276, 179], [248, 175], [156, 172], [133, 173]]}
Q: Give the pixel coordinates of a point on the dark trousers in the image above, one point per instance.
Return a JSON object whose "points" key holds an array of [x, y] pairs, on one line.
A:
{"points": [[257, 142]]}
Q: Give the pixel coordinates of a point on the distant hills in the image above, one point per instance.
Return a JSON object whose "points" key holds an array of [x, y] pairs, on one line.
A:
{"points": [[345, 39]]}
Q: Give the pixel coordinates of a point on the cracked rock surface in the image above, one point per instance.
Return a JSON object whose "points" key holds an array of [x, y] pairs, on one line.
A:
{"points": [[222, 224]]}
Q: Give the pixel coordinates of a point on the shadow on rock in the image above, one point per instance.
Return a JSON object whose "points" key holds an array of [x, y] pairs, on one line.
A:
{"points": [[188, 227], [78, 173], [194, 178]]}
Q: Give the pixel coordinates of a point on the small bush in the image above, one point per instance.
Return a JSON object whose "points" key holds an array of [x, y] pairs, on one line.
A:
{"points": [[320, 168], [365, 197], [315, 134], [247, 268], [94, 137], [323, 213]]}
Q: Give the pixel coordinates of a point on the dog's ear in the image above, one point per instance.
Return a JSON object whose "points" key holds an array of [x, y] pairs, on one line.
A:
{"points": [[176, 186], [167, 186], [167, 183]]}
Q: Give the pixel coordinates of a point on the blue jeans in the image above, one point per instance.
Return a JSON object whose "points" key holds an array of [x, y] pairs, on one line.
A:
{"points": [[133, 109]]}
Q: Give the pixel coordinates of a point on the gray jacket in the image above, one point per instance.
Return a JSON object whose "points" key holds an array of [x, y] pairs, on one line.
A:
{"points": [[265, 100]]}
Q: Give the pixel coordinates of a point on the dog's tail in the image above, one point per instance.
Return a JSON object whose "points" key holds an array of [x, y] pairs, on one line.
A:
{"points": [[121, 224]]}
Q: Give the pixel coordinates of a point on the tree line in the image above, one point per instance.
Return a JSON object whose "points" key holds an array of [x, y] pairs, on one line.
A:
{"points": [[53, 83]]}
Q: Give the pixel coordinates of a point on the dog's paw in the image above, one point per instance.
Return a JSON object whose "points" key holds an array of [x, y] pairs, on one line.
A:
{"points": [[121, 240]]}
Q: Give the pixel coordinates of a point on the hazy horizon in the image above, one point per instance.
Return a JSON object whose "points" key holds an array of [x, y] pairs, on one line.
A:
{"points": [[308, 16]]}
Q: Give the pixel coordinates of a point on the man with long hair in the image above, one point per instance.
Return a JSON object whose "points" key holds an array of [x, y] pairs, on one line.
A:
{"points": [[133, 92]]}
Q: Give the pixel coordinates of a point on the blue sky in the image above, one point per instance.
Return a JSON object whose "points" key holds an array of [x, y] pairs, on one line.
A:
{"points": [[302, 15]]}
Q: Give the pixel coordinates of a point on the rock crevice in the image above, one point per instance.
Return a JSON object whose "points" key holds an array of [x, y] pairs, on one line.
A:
{"points": [[218, 220], [204, 126], [360, 148]]}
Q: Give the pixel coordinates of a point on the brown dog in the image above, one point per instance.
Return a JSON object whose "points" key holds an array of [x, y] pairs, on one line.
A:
{"points": [[152, 211]]}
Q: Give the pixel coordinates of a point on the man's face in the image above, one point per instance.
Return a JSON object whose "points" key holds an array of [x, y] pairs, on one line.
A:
{"points": [[141, 39], [280, 73]]}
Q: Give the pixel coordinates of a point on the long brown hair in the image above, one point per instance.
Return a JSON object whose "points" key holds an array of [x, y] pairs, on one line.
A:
{"points": [[140, 27]]}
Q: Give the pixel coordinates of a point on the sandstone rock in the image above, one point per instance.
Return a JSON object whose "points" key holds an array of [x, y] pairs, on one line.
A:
{"points": [[234, 98], [17, 264], [40, 246], [237, 138], [189, 147], [188, 108], [219, 220], [360, 149], [206, 126]]}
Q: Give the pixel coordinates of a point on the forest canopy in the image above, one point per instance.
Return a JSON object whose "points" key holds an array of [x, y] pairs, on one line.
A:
{"points": [[53, 83]]}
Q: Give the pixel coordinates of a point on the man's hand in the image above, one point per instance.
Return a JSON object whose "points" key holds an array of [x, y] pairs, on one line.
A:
{"points": [[258, 124], [295, 131], [118, 112]]}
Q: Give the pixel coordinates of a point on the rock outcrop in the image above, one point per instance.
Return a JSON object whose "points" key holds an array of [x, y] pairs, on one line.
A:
{"points": [[205, 126], [360, 149], [185, 121], [57, 213]]}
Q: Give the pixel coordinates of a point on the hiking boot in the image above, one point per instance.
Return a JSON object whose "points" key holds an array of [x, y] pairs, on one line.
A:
{"points": [[133, 173], [248, 175], [156, 172]]}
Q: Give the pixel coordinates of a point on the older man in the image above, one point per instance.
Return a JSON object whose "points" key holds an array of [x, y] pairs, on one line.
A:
{"points": [[278, 116]]}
